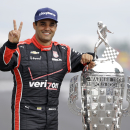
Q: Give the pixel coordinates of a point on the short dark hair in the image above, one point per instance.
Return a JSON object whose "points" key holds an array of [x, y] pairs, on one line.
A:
{"points": [[36, 23]]}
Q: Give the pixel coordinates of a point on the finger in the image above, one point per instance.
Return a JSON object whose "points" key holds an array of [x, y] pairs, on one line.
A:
{"points": [[91, 58], [87, 58], [81, 62], [15, 33], [84, 59], [92, 64], [15, 26], [20, 26], [89, 66], [11, 33]]}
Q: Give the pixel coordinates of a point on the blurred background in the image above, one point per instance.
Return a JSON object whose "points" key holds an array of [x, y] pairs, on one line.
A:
{"points": [[77, 28]]}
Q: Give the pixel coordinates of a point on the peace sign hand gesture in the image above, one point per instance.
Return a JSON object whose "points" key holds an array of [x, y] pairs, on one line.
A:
{"points": [[14, 35]]}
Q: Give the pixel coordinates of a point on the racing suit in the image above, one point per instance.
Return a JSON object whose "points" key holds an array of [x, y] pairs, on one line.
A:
{"points": [[38, 72]]}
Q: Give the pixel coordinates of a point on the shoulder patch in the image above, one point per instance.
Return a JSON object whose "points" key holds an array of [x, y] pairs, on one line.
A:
{"points": [[63, 47]]}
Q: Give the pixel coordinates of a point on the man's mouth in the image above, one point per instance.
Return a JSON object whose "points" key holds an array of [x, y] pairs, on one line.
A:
{"points": [[45, 33]]}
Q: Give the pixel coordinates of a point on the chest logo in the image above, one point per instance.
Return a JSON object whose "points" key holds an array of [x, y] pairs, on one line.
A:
{"points": [[43, 75], [35, 58], [34, 52], [47, 85], [55, 54]]}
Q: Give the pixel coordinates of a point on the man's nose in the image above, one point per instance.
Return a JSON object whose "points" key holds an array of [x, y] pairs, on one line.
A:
{"points": [[47, 27]]}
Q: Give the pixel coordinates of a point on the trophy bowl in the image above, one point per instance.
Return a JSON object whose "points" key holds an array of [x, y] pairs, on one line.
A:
{"points": [[103, 87]]}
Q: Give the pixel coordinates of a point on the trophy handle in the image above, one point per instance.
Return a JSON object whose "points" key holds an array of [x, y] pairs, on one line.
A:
{"points": [[73, 96], [126, 111]]}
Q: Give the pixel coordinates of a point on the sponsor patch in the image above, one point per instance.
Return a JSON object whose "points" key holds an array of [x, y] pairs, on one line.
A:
{"points": [[55, 54], [35, 58], [47, 85], [52, 109], [46, 49], [34, 52], [54, 59], [39, 108], [21, 46], [46, 13], [64, 48], [27, 107]]}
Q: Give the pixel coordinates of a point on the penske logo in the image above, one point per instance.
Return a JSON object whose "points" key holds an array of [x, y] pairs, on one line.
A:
{"points": [[47, 85]]}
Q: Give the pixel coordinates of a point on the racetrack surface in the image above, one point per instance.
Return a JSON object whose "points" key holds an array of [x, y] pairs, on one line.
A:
{"points": [[67, 120]]}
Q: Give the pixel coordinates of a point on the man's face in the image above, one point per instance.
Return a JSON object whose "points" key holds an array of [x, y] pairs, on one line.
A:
{"points": [[45, 30]]}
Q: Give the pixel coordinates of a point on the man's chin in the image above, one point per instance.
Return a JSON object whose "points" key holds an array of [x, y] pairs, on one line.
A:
{"points": [[46, 40]]}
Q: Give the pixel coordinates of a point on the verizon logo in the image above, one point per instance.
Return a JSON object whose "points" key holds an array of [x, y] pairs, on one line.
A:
{"points": [[47, 85], [38, 84]]}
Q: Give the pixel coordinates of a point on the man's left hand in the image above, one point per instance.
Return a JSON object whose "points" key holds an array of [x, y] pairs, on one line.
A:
{"points": [[86, 58]]}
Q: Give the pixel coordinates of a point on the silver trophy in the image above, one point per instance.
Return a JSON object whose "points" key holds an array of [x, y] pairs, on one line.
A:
{"points": [[102, 90]]}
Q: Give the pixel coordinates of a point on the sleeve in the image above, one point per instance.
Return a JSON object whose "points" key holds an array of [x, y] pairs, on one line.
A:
{"points": [[73, 59], [8, 56]]}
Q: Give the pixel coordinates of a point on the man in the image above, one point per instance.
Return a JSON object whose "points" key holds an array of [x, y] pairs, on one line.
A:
{"points": [[39, 66]]}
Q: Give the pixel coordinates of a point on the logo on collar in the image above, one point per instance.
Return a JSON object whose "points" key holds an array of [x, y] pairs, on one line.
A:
{"points": [[46, 49], [55, 54]]}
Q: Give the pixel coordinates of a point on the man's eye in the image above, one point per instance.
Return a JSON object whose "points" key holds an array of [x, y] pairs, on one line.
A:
{"points": [[42, 24], [52, 24]]}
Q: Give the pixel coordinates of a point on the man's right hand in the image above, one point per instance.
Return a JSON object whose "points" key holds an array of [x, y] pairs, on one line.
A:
{"points": [[14, 35]]}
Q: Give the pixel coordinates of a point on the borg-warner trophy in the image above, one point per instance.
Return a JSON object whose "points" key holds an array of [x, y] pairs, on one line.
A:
{"points": [[102, 90]]}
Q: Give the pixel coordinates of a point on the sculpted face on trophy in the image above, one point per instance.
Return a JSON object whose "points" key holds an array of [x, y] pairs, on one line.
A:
{"points": [[102, 90]]}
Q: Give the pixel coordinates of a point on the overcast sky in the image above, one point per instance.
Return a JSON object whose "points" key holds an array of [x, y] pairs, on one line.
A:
{"points": [[77, 18]]}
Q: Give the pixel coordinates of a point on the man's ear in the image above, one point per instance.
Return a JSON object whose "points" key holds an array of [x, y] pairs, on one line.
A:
{"points": [[56, 27], [34, 25]]}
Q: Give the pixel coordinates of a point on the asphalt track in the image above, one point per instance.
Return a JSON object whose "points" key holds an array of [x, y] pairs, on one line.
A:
{"points": [[67, 120]]}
